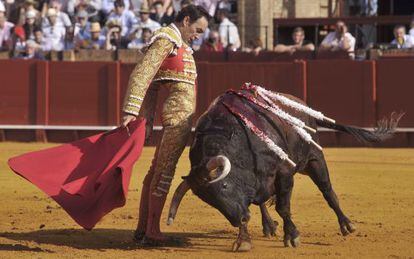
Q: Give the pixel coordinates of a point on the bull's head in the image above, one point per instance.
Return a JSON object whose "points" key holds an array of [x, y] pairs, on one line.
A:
{"points": [[215, 184]]}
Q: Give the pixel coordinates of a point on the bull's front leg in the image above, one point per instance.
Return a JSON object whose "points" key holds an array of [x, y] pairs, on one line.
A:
{"points": [[243, 242], [284, 185], [269, 225]]}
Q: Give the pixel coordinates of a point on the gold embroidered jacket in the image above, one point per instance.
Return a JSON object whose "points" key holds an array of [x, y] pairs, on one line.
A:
{"points": [[168, 58]]}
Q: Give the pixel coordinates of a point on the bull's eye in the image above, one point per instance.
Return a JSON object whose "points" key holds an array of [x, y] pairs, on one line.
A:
{"points": [[224, 185]]}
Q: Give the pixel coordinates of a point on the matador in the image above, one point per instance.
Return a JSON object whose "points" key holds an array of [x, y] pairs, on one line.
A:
{"points": [[168, 62]]}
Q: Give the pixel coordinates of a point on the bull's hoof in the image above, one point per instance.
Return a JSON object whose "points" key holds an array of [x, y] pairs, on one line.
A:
{"points": [[242, 246], [292, 242], [347, 228], [269, 230]]}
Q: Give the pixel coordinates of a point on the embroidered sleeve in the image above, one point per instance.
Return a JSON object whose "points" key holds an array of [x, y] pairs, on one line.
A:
{"points": [[143, 74]]}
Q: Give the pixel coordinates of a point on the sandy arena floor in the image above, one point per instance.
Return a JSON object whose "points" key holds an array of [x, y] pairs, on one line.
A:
{"points": [[375, 188]]}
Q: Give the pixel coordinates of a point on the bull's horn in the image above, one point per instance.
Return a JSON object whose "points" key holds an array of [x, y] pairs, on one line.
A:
{"points": [[175, 202], [216, 162]]}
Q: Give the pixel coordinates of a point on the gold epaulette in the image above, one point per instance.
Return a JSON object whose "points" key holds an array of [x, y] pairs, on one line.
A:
{"points": [[169, 34]]}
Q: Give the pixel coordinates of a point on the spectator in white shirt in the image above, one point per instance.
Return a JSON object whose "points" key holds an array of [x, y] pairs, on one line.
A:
{"points": [[82, 27], [209, 5], [140, 43], [124, 17], [108, 6], [402, 40], [62, 19], [340, 39], [229, 34], [145, 22], [5, 29], [44, 44], [54, 32]]}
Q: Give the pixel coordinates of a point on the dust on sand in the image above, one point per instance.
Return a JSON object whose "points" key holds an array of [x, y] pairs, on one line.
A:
{"points": [[375, 188]]}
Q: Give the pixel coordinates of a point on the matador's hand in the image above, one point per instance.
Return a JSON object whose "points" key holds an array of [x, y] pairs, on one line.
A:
{"points": [[127, 119]]}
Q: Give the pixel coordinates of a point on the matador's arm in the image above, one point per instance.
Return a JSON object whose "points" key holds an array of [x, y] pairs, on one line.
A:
{"points": [[143, 74]]}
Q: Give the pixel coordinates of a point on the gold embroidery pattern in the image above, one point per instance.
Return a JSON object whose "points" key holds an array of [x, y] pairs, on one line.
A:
{"points": [[143, 74], [176, 119]]}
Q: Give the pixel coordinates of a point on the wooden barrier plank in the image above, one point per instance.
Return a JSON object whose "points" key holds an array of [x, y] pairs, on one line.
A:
{"points": [[395, 90], [18, 92], [343, 90]]}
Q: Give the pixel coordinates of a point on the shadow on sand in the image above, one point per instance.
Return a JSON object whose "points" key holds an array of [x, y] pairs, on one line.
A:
{"points": [[99, 239]]}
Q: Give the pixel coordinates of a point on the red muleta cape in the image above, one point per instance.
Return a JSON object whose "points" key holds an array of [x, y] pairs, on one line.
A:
{"points": [[89, 177]]}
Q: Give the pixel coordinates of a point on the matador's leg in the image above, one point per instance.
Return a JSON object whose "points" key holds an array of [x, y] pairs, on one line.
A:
{"points": [[148, 112], [177, 115]]}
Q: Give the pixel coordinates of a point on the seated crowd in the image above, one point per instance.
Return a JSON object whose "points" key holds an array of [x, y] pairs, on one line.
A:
{"points": [[31, 28]]}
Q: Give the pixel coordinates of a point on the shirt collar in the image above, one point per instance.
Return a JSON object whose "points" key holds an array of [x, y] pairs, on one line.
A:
{"points": [[175, 28]]}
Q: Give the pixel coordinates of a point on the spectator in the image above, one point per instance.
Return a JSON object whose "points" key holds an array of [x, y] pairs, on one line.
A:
{"points": [[412, 29], [29, 5], [136, 5], [145, 22], [82, 28], [69, 43], [298, 43], [209, 5], [255, 46], [32, 51], [5, 29], [140, 43], [97, 40], [44, 44], [109, 5], [18, 40], [113, 36], [229, 34], [30, 25], [160, 16], [212, 44], [402, 40], [369, 7], [225, 5], [340, 39], [123, 17], [54, 31], [62, 18]]}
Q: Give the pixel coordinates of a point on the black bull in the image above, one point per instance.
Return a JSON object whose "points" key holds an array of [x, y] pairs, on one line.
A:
{"points": [[253, 173]]}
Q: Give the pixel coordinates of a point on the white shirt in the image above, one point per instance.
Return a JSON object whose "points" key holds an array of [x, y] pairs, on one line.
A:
{"points": [[5, 32], [412, 34], [80, 33], [209, 5], [333, 41], [150, 24], [407, 44], [127, 19], [62, 20], [108, 5], [136, 44], [229, 34], [55, 35]]}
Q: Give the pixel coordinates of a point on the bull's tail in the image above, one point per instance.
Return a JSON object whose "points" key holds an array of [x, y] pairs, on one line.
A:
{"points": [[385, 129]]}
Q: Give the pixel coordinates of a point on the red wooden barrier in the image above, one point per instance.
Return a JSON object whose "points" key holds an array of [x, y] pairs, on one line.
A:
{"points": [[343, 90], [18, 83], [83, 93], [395, 89]]}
